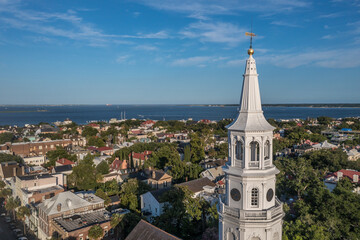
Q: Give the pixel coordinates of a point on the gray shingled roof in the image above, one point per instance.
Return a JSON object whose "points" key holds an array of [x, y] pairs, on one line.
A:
{"points": [[197, 185], [146, 231]]}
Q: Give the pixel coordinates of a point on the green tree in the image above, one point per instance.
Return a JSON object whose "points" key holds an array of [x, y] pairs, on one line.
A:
{"points": [[8, 158], [22, 213], [187, 153], [84, 176], [12, 204], [59, 153], [102, 167], [6, 137], [130, 193], [96, 232], [101, 194], [89, 132], [197, 149], [186, 214], [95, 141]]}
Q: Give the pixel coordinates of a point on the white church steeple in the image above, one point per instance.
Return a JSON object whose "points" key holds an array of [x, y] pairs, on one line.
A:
{"points": [[249, 208]]}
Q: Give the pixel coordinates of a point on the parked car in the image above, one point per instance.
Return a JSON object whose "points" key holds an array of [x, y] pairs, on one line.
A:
{"points": [[3, 214], [19, 234], [16, 230], [12, 226], [22, 238], [7, 219]]}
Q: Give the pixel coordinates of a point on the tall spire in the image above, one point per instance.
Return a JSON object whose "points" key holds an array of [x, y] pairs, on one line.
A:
{"points": [[251, 114]]}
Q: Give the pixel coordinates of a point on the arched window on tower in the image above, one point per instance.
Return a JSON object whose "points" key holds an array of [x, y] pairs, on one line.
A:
{"points": [[255, 151], [254, 197], [238, 150], [267, 150]]}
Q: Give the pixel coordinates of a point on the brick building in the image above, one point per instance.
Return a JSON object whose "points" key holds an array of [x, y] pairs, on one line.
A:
{"points": [[59, 214], [30, 149]]}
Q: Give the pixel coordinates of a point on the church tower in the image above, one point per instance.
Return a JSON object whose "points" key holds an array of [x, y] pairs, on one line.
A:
{"points": [[249, 209]]}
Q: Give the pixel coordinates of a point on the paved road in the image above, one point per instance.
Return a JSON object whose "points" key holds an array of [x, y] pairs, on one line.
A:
{"points": [[5, 232]]}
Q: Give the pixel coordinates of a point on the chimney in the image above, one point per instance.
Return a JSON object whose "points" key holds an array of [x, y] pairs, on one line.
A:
{"points": [[14, 171], [58, 207], [22, 170], [150, 168], [355, 178], [339, 175], [153, 174], [186, 179]]}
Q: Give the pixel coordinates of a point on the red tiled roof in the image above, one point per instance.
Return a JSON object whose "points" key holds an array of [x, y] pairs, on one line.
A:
{"points": [[64, 161], [100, 149], [148, 122], [346, 173], [141, 156]]}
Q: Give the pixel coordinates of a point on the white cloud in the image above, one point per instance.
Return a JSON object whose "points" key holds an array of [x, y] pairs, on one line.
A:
{"points": [[217, 32], [327, 37], [198, 61], [146, 47], [200, 9], [191, 61], [285, 24], [332, 15], [122, 59], [336, 58], [65, 25]]}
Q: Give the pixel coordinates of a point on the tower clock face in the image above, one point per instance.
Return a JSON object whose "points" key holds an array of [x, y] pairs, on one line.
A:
{"points": [[235, 194], [269, 194]]}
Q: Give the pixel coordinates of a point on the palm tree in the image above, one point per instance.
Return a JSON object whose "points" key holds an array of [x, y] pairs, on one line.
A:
{"points": [[12, 204], [95, 232], [22, 213], [116, 223]]}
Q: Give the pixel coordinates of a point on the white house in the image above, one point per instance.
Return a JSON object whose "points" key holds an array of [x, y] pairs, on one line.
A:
{"points": [[151, 203], [212, 173]]}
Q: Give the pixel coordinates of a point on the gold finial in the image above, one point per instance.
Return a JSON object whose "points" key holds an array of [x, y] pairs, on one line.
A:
{"points": [[251, 50]]}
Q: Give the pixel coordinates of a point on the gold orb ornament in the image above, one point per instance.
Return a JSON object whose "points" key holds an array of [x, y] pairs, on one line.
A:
{"points": [[251, 51]]}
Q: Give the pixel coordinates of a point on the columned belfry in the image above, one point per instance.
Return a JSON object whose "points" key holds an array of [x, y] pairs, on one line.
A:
{"points": [[249, 209]]}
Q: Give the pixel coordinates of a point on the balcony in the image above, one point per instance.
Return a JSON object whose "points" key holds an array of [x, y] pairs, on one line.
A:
{"points": [[251, 214]]}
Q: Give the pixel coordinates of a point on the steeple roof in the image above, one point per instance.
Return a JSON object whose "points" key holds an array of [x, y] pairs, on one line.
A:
{"points": [[250, 117]]}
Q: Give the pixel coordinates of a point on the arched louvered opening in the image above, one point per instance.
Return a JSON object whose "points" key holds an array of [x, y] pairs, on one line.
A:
{"points": [[267, 150], [239, 150]]}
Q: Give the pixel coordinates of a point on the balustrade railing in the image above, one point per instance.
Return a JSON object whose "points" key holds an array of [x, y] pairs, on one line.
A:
{"points": [[252, 214]]}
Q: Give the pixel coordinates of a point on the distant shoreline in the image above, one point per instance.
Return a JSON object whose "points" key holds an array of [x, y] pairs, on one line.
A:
{"points": [[333, 105], [310, 105]]}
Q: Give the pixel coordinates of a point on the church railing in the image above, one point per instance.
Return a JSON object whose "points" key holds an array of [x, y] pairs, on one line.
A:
{"points": [[252, 214], [254, 164], [267, 163]]}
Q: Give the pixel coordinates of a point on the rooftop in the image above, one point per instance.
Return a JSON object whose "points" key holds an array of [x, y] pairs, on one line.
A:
{"points": [[146, 231], [78, 221], [197, 185]]}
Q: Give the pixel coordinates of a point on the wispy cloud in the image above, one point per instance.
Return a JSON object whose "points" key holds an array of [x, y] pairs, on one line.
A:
{"points": [[327, 37], [198, 61], [146, 47], [65, 25], [122, 59], [323, 58], [332, 15], [285, 24], [217, 32], [200, 9]]}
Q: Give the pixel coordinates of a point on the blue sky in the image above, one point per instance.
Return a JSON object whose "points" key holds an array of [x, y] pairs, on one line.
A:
{"points": [[177, 51]]}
